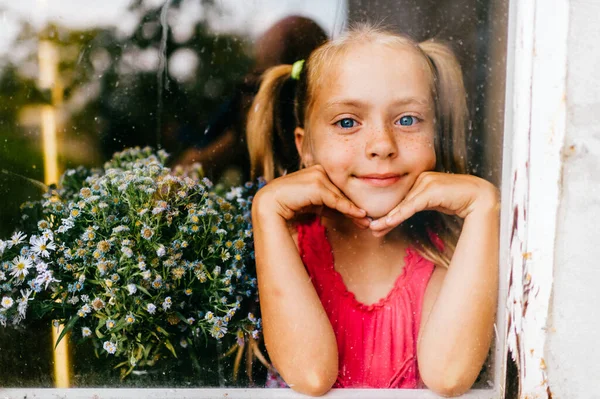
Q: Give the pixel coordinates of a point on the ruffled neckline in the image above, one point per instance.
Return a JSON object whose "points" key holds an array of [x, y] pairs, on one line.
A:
{"points": [[343, 289]]}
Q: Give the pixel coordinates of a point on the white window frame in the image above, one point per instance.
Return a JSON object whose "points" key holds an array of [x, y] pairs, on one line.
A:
{"points": [[535, 115]]}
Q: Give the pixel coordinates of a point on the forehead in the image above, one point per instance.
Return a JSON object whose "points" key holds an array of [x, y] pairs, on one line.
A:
{"points": [[377, 74]]}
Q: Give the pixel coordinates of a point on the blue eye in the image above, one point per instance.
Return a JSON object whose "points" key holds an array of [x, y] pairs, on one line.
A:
{"points": [[346, 123], [408, 120]]}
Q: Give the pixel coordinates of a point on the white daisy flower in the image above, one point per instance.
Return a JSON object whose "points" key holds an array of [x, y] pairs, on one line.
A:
{"points": [[110, 347], [48, 235], [146, 232], [127, 251], [235, 192], [3, 245], [120, 229], [41, 267], [45, 279], [41, 247], [151, 308], [21, 266], [157, 210], [17, 238], [7, 302], [23, 302], [167, 303], [132, 289]]}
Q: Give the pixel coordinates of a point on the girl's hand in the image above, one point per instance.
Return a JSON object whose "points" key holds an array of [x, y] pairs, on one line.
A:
{"points": [[452, 194], [306, 191]]}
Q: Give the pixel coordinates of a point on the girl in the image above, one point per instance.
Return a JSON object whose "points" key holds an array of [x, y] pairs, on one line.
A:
{"points": [[377, 260]]}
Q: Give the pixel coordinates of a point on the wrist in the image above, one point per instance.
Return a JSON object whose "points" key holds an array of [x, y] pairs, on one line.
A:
{"points": [[264, 208], [487, 202]]}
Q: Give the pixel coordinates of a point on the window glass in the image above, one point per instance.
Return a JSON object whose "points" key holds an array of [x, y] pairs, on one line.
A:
{"points": [[81, 80]]}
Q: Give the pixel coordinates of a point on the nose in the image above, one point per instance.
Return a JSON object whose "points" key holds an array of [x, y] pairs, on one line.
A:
{"points": [[382, 144]]}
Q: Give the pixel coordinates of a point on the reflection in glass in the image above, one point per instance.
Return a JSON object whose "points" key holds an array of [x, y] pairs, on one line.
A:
{"points": [[79, 84]]}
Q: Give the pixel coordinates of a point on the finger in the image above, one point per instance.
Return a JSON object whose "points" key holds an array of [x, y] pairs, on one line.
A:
{"points": [[381, 233], [423, 183], [384, 222], [409, 199], [404, 210], [424, 201], [389, 220], [361, 225], [339, 203], [335, 199]]}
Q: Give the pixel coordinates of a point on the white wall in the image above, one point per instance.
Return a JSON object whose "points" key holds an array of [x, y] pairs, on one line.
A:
{"points": [[573, 350]]}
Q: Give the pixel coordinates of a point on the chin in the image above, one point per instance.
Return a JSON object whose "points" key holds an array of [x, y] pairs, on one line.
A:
{"points": [[377, 207]]}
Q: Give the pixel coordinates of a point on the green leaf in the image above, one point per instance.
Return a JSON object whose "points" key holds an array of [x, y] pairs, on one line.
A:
{"points": [[125, 363], [69, 326], [182, 317], [126, 373], [99, 334], [145, 291], [147, 350], [119, 326], [100, 324], [162, 331], [170, 347]]}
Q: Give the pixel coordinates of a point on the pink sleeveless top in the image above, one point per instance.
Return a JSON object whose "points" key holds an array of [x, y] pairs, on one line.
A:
{"points": [[377, 344]]}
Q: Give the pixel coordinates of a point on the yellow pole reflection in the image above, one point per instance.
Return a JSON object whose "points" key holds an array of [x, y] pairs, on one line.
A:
{"points": [[62, 365], [48, 69], [49, 146]]}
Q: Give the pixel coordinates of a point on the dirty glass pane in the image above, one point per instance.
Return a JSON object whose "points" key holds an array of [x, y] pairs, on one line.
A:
{"points": [[81, 80]]}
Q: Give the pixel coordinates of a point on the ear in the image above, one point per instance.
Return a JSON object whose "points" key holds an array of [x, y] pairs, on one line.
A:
{"points": [[299, 137]]}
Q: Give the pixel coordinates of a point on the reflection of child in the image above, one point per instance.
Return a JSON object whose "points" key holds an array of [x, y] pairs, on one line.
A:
{"points": [[365, 276], [222, 144]]}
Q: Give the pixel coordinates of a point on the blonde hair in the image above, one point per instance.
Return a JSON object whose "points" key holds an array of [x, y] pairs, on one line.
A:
{"points": [[282, 104]]}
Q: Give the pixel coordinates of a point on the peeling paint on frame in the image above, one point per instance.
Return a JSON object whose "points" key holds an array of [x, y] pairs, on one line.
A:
{"points": [[536, 121]]}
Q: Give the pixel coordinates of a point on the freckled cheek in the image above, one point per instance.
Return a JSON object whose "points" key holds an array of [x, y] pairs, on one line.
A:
{"points": [[419, 150], [337, 160]]}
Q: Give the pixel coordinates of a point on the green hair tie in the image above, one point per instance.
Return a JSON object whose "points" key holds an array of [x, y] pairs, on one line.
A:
{"points": [[297, 69]]}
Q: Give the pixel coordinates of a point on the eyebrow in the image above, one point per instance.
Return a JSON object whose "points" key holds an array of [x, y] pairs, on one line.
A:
{"points": [[355, 103]]}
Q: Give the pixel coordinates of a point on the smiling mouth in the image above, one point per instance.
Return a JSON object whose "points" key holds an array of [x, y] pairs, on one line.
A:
{"points": [[383, 180]]}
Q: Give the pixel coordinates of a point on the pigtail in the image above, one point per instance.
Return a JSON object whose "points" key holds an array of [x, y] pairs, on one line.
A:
{"points": [[450, 147], [451, 108], [271, 123]]}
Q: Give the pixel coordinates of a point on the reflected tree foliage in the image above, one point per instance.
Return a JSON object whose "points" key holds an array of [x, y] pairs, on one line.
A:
{"points": [[115, 90]]}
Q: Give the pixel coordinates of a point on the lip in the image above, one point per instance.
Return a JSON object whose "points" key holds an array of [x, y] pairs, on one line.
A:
{"points": [[380, 180]]}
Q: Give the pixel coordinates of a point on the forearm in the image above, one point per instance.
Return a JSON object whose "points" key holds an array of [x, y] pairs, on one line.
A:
{"points": [[455, 338], [298, 335]]}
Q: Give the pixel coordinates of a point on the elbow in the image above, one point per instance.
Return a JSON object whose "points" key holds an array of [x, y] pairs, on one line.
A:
{"points": [[315, 382], [447, 384]]}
